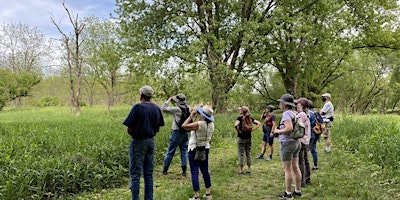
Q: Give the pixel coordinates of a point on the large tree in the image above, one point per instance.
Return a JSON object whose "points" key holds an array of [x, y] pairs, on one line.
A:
{"points": [[23, 50], [103, 59], [232, 40]]}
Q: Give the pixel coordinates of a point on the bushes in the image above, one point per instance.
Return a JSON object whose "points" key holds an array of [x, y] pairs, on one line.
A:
{"points": [[376, 138], [47, 101]]}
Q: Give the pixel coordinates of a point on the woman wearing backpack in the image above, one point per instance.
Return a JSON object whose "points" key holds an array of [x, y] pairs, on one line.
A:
{"points": [[290, 147], [244, 127]]}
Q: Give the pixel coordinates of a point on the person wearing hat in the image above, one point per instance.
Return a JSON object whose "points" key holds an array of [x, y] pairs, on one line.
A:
{"points": [[143, 122], [269, 118], [327, 113], [244, 136], [290, 147], [179, 136], [200, 136], [302, 105]]}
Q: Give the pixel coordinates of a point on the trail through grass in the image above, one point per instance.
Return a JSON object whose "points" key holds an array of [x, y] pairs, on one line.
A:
{"points": [[341, 175]]}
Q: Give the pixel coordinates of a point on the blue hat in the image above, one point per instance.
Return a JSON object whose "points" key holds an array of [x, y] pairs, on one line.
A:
{"points": [[207, 112]]}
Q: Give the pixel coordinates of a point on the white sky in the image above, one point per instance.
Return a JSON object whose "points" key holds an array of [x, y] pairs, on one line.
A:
{"points": [[37, 13]]}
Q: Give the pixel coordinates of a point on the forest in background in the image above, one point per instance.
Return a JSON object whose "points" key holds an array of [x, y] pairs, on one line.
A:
{"points": [[223, 53]]}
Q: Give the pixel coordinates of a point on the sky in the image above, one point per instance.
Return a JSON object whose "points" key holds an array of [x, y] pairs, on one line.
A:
{"points": [[37, 13]]}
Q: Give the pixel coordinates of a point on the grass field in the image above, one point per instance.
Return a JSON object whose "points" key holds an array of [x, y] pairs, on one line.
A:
{"points": [[51, 154]]}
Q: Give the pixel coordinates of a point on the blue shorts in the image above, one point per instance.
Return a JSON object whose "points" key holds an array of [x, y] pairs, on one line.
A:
{"points": [[267, 138]]}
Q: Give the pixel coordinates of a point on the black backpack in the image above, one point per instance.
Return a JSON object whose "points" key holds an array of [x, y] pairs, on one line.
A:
{"points": [[184, 116]]}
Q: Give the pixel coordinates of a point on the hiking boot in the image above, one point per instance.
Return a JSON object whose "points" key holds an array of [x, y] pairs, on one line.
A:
{"points": [[285, 195], [183, 171], [165, 171], [298, 194], [207, 196], [261, 156]]}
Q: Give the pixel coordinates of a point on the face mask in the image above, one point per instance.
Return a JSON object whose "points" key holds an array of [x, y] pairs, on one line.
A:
{"points": [[323, 99]]}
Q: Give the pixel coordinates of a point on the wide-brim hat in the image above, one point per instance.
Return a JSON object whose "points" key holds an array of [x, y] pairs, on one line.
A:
{"points": [[287, 99], [180, 99], [206, 111], [327, 95]]}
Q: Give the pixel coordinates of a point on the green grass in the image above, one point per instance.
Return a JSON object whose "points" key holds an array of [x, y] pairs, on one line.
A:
{"points": [[51, 154]]}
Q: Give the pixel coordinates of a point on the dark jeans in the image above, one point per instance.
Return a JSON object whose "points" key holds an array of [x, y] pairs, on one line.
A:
{"points": [[141, 152], [177, 139], [194, 170], [313, 148], [304, 164]]}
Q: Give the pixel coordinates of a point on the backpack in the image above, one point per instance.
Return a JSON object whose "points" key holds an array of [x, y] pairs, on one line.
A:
{"points": [[299, 128], [247, 125], [268, 120], [319, 124], [184, 116]]}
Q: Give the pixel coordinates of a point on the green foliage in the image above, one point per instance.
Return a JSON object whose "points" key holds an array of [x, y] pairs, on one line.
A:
{"points": [[374, 137], [49, 153], [47, 101]]}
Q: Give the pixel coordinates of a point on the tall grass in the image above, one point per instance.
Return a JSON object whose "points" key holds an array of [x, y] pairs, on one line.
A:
{"points": [[51, 154]]}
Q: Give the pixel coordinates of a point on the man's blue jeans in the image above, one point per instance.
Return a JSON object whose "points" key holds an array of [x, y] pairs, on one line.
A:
{"points": [[313, 148], [177, 139], [141, 152]]}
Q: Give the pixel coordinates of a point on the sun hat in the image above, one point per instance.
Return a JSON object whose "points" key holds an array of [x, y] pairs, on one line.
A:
{"points": [[206, 111], [287, 99], [303, 101], [146, 91], [180, 99], [327, 95]]}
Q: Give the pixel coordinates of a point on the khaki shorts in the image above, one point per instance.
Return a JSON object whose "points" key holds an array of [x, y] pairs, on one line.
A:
{"points": [[327, 131]]}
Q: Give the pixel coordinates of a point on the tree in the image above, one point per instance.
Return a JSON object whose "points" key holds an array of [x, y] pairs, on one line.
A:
{"points": [[233, 40], [72, 45], [103, 57], [22, 51]]}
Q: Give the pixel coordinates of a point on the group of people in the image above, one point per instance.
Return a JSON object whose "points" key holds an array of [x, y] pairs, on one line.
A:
{"points": [[293, 152], [145, 120]]}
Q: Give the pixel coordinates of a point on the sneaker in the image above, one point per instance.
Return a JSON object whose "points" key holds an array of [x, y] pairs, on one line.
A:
{"points": [[315, 168], [298, 194], [285, 195], [207, 196], [268, 159], [261, 156], [194, 198]]}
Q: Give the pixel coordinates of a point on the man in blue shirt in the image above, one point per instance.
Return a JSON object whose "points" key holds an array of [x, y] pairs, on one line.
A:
{"points": [[143, 122]]}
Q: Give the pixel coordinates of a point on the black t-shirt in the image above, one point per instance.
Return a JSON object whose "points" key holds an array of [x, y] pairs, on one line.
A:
{"points": [[243, 134], [145, 120]]}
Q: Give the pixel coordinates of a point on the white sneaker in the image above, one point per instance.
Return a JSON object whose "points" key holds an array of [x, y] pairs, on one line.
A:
{"points": [[207, 196]]}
